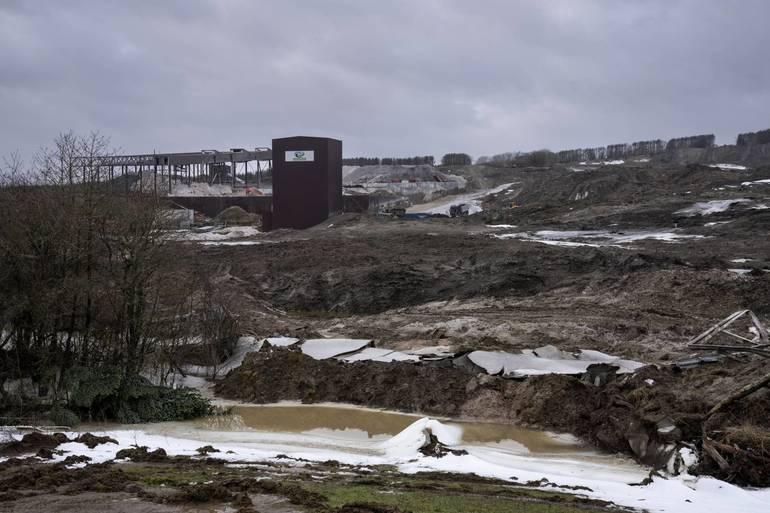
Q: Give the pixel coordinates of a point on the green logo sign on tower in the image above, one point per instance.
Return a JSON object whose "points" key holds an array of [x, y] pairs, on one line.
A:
{"points": [[300, 156]]}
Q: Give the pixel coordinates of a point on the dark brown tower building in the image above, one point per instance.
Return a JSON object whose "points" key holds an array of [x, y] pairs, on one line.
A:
{"points": [[307, 181]]}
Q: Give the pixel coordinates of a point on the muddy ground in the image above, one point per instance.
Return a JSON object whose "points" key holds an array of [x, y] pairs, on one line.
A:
{"points": [[450, 282], [629, 414], [170, 485]]}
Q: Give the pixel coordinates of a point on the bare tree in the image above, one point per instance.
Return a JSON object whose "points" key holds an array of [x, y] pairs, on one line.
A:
{"points": [[87, 280]]}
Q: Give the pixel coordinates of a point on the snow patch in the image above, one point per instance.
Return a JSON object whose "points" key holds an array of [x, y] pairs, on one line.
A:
{"points": [[473, 201], [408, 442], [732, 167], [607, 478], [756, 182], [545, 360], [325, 348], [597, 238], [234, 243], [211, 233], [281, 341], [706, 208]]}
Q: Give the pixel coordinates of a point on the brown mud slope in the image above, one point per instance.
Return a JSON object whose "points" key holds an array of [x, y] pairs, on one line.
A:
{"points": [[629, 195], [383, 278], [646, 414]]}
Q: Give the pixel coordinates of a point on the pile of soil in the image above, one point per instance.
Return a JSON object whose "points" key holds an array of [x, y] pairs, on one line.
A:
{"points": [[33, 442], [44, 443], [275, 374], [235, 215], [649, 414]]}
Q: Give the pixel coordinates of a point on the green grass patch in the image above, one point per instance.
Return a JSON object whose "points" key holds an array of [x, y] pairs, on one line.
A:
{"points": [[442, 500], [163, 474]]}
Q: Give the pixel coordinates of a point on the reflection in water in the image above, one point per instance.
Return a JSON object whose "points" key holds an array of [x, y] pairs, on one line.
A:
{"points": [[361, 423]]}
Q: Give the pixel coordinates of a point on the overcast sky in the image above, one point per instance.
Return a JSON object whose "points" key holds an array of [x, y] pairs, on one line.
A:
{"points": [[388, 77]]}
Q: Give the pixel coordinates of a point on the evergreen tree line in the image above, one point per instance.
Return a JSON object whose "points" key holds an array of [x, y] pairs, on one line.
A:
{"points": [[388, 161], [456, 159], [695, 141], [751, 138], [612, 151]]}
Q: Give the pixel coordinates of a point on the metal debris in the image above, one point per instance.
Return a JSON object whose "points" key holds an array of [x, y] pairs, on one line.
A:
{"points": [[758, 344]]}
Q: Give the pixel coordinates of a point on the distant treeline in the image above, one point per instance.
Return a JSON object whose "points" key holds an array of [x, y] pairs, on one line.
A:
{"points": [[388, 161], [696, 141], [546, 157], [751, 138], [610, 152], [456, 159], [539, 158], [450, 159]]}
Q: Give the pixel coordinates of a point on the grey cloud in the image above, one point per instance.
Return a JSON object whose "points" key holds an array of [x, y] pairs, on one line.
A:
{"points": [[389, 78]]}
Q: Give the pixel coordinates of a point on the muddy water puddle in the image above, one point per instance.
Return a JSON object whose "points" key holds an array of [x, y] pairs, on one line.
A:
{"points": [[367, 424]]}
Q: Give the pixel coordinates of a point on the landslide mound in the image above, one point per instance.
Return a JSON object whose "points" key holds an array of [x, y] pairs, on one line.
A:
{"points": [[276, 374], [647, 414], [392, 271], [33, 442]]}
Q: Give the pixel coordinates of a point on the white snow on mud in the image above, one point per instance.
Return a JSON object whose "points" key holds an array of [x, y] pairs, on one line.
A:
{"points": [[603, 163], [706, 208], [765, 181], [717, 223], [325, 348], [211, 234], [281, 341], [595, 238], [473, 200], [501, 226], [729, 167], [599, 476], [546, 360]]}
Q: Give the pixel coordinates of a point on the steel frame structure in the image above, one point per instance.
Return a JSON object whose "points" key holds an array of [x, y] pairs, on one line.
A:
{"points": [[185, 167]]}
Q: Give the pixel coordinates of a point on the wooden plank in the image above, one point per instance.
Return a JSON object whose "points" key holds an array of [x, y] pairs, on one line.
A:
{"points": [[724, 323], [709, 448], [737, 336], [763, 337], [745, 349], [740, 394]]}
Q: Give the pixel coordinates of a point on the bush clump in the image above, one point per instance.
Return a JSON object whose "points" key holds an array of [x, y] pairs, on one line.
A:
{"points": [[104, 394], [151, 403], [63, 417]]}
